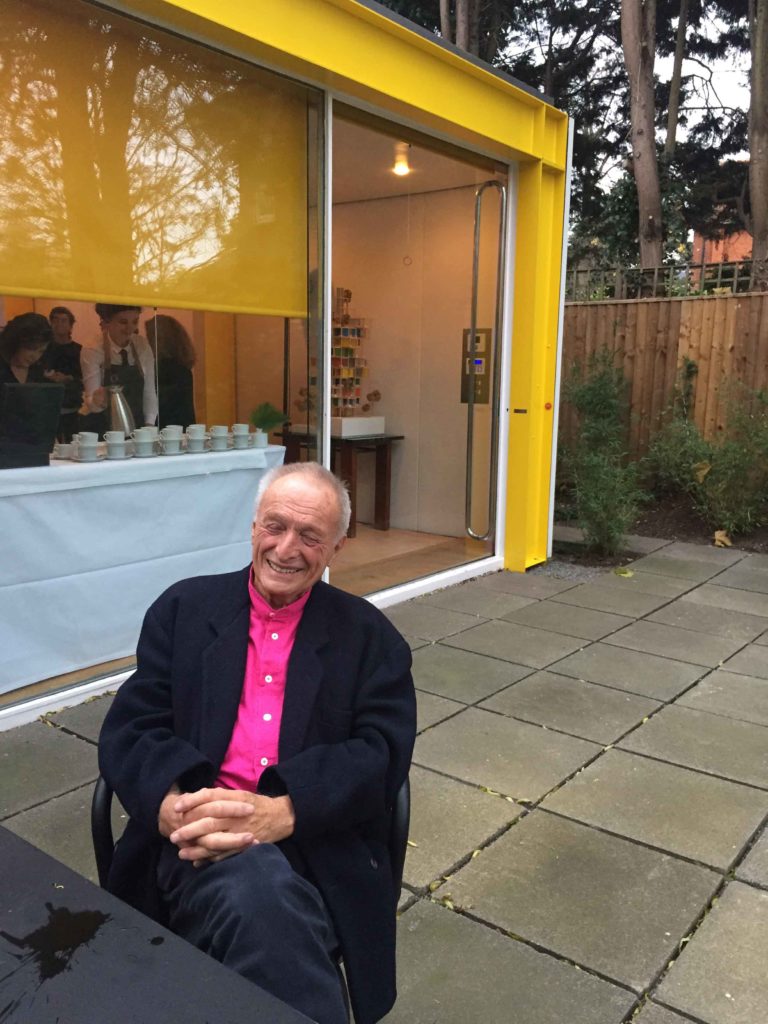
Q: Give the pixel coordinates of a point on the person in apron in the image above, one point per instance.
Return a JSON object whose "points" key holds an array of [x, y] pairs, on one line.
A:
{"points": [[124, 358]]}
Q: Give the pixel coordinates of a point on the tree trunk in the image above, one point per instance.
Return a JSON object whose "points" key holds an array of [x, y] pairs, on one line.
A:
{"points": [[758, 140], [674, 86], [445, 21], [474, 27], [462, 24], [638, 39]]}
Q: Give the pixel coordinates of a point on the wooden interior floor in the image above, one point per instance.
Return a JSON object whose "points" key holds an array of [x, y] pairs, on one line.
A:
{"points": [[63, 682], [377, 559]]}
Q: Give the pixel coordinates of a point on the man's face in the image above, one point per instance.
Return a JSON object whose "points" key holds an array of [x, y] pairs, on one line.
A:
{"points": [[121, 327], [294, 538], [61, 327]]}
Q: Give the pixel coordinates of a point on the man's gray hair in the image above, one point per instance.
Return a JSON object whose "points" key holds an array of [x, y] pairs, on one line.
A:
{"points": [[319, 474]]}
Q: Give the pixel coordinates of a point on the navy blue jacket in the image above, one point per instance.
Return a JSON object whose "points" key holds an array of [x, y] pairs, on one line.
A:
{"points": [[346, 738]]}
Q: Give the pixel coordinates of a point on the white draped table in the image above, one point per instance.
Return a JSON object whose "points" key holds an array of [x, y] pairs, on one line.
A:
{"points": [[86, 547]]}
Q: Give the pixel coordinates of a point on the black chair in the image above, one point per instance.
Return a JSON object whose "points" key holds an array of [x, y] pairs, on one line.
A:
{"points": [[104, 842]]}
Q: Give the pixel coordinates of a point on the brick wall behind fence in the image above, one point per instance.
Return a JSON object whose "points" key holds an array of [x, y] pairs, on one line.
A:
{"points": [[725, 335]]}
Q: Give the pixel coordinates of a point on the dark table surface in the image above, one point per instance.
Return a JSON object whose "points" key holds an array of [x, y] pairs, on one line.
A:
{"points": [[70, 953]]}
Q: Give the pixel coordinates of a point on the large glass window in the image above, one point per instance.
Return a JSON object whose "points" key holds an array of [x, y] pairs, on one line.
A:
{"points": [[138, 169]]}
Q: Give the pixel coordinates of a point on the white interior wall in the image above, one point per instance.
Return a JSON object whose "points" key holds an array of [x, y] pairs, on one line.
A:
{"points": [[408, 262]]}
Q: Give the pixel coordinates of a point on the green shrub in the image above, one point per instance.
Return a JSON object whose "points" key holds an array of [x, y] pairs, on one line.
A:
{"points": [[593, 477], [726, 480]]}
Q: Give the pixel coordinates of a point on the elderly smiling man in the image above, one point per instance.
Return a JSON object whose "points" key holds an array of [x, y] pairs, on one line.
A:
{"points": [[258, 748]]}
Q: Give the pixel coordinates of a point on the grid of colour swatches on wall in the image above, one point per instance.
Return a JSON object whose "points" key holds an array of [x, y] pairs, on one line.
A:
{"points": [[348, 367]]}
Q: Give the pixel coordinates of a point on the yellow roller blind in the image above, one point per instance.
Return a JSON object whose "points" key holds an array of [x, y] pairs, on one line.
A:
{"points": [[137, 167]]}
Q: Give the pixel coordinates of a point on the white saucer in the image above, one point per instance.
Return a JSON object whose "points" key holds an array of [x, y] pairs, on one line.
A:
{"points": [[128, 455], [76, 458], [182, 452], [145, 455]]}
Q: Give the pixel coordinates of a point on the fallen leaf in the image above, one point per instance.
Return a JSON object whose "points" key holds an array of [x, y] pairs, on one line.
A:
{"points": [[621, 571], [411, 843], [476, 853], [700, 471], [722, 540]]}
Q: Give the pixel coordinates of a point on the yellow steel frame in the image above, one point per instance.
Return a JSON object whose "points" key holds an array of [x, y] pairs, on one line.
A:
{"points": [[360, 53]]}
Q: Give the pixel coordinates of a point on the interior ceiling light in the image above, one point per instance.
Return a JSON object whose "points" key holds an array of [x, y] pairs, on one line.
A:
{"points": [[401, 166]]}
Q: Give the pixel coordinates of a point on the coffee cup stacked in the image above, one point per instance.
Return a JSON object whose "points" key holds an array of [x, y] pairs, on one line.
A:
{"points": [[85, 446], [196, 437], [241, 437], [170, 439], [219, 438], [116, 448], [144, 441]]}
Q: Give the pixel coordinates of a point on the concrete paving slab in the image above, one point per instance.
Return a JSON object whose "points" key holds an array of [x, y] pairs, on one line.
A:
{"points": [[39, 762], [633, 671], [573, 706], [565, 618], [703, 553], [731, 695], [519, 760], [675, 809], [647, 583], [754, 867], [449, 820], [762, 639], [452, 970], [62, 828], [414, 642], [734, 625], [428, 623], [84, 719], [651, 1013], [755, 562], [706, 742], [720, 976], [602, 598], [475, 599], [662, 564], [431, 709], [742, 577], [748, 601], [637, 545], [750, 661], [526, 584], [608, 904], [461, 675], [672, 642], [512, 641]]}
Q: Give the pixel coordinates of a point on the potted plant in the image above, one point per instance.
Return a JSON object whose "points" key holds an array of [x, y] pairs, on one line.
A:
{"points": [[265, 418]]}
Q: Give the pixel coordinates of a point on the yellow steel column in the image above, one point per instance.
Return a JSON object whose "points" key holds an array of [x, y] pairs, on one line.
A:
{"points": [[534, 351]]}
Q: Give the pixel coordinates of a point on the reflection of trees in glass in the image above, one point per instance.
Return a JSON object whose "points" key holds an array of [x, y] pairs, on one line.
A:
{"points": [[122, 153]]}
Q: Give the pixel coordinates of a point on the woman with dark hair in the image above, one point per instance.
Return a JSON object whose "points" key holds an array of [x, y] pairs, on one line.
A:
{"points": [[121, 357], [175, 358], [23, 341]]}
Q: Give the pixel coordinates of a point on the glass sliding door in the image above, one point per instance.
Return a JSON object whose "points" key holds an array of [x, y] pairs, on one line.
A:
{"points": [[418, 235]]}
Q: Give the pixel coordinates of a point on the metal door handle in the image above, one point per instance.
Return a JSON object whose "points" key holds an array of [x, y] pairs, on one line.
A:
{"points": [[495, 355]]}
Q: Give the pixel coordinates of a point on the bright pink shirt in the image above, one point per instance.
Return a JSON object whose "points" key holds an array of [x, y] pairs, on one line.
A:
{"points": [[254, 741]]}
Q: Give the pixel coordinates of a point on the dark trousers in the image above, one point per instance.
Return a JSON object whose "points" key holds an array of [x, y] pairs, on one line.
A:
{"points": [[257, 915]]}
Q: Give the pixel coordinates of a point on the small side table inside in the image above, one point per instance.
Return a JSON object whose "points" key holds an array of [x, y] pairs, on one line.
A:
{"points": [[347, 450]]}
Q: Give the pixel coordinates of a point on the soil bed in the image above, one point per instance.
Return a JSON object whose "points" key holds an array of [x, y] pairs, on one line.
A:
{"points": [[668, 519]]}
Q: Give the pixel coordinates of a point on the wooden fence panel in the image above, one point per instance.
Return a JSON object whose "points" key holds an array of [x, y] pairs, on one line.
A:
{"points": [[726, 336]]}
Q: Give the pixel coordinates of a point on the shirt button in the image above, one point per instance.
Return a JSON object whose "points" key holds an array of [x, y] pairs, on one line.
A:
{"points": [[264, 761], [267, 717], [267, 679], [274, 636]]}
